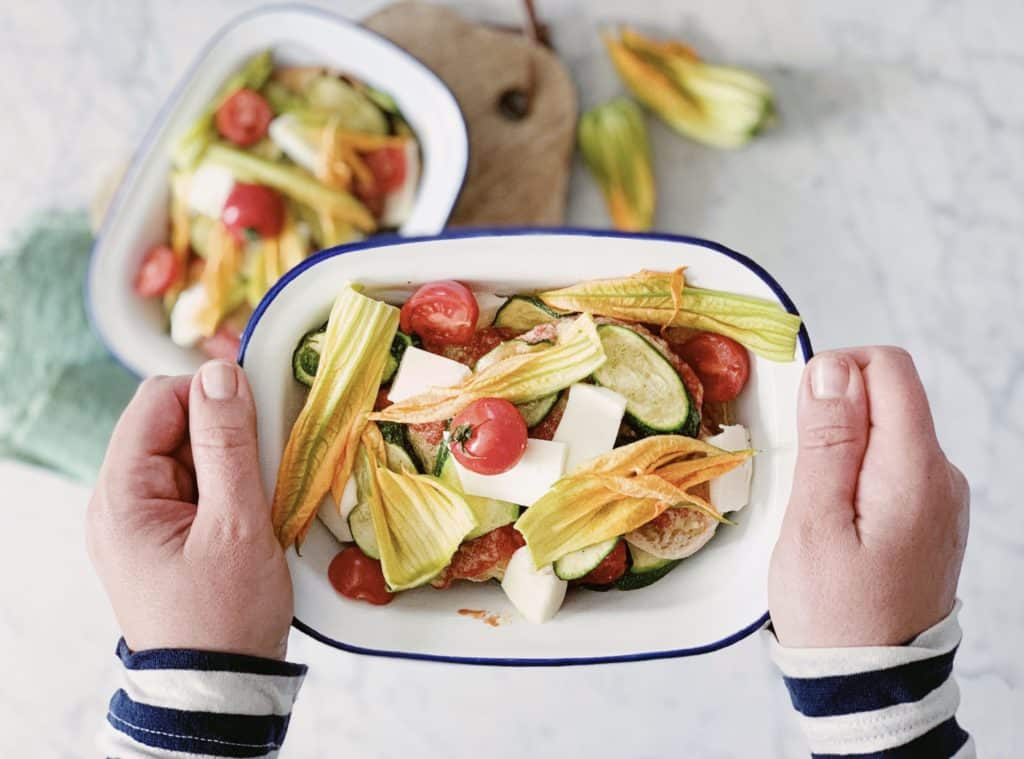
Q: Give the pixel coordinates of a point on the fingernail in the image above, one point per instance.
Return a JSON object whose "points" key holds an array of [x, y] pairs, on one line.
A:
{"points": [[220, 382], [830, 377]]}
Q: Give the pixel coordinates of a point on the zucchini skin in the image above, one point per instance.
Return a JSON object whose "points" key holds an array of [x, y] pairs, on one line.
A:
{"points": [[524, 312], [395, 434], [689, 428], [636, 580]]}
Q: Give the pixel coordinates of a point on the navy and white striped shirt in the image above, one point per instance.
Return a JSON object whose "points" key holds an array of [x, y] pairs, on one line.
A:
{"points": [[879, 702], [885, 702]]}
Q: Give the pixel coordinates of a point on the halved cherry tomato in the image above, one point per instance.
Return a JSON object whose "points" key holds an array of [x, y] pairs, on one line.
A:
{"points": [[253, 209], [224, 344], [355, 575], [721, 363], [442, 313], [388, 167], [244, 117], [488, 436], [158, 271], [611, 568]]}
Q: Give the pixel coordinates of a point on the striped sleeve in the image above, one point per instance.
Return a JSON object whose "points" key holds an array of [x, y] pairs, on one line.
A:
{"points": [[884, 702], [181, 703]]}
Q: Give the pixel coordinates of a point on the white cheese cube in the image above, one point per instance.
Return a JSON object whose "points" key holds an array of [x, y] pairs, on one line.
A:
{"points": [[731, 491], [287, 133], [185, 330], [421, 370], [489, 304], [398, 203], [536, 593], [590, 423], [209, 188], [542, 464], [334, 518]]}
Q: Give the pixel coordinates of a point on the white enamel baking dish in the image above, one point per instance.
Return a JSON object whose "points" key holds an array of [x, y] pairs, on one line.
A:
{"points": [[715, 598], [133, 328]]}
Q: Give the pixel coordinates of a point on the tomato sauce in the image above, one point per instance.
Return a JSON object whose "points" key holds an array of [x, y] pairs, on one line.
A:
{"points": [[482, 558], [611, 568]]}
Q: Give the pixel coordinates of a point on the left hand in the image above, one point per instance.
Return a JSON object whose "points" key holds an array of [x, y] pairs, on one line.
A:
{"points": [[179, 525]]}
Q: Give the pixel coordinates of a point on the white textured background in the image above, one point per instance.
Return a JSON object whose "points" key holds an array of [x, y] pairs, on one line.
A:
{"points": [[891, 205]]}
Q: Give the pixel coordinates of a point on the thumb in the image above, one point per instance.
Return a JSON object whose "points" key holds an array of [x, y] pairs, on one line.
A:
{"points": [[222, 430], [832, 422]]}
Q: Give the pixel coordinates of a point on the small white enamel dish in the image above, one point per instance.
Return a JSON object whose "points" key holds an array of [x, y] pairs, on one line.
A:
{"points": [[712, 600], [133, 328]]}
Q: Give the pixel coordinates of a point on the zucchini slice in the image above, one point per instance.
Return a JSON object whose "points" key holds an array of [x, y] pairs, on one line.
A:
{"points": [[490, 513], [401, 455], [534, 411], [360, 524], [400, 342], [306, 359], [657, 401], [579, 563], [646, 569], [524, 312]]}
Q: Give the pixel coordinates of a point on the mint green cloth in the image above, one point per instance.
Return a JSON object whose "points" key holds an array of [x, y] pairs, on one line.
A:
{"points": [[60, 391]]}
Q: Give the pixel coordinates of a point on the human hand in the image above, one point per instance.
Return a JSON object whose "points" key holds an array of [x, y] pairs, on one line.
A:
{"points": [[179, 525], [874, 535]]}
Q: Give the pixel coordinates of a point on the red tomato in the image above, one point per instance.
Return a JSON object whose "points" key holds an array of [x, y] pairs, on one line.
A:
{"points": [[388, 167], [441, 313], [224, 344], [253, 209], [488, 436], [159, 270], [721, 363], [611, 568], [355, 575], [243, 118]]}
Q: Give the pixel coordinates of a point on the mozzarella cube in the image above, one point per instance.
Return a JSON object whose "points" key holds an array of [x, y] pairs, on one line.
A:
{"points": [[185, 331], [209, 188], [536, 593], [335, 518], [489, 303], [421, 370], [731, 491], [287, 133], [542, 464], [398, 203], [590, 423]]}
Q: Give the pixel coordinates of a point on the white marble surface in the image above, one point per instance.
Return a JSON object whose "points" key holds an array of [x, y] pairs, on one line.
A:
{"points": [[890, 203]]}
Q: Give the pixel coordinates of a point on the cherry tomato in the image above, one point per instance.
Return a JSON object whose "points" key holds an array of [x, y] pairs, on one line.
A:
{"points": [[611, 568], [442, 313], [721, 363], [244, 117], [158, 271], [355, 575], [224, 344], [253, 209], [488, 436], [388, 167]]}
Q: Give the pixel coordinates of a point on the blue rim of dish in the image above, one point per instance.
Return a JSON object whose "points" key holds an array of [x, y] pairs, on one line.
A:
{"points": [[803, 338], [132, 171]]}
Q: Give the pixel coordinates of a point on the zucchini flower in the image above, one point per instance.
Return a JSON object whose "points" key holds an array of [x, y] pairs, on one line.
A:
{"points": [[613, 139], [718, 105]]}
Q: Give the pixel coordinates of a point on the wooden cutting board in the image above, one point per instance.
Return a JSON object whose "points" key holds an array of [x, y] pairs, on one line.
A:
{"points": [[518, 169]]}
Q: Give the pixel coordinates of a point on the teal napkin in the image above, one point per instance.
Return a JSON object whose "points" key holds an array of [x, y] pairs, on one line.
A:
{"points": [[60, 390]]}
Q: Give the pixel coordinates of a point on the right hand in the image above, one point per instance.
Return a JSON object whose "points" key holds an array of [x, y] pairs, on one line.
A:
{"points": [[179, 526], [873, 539]]}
